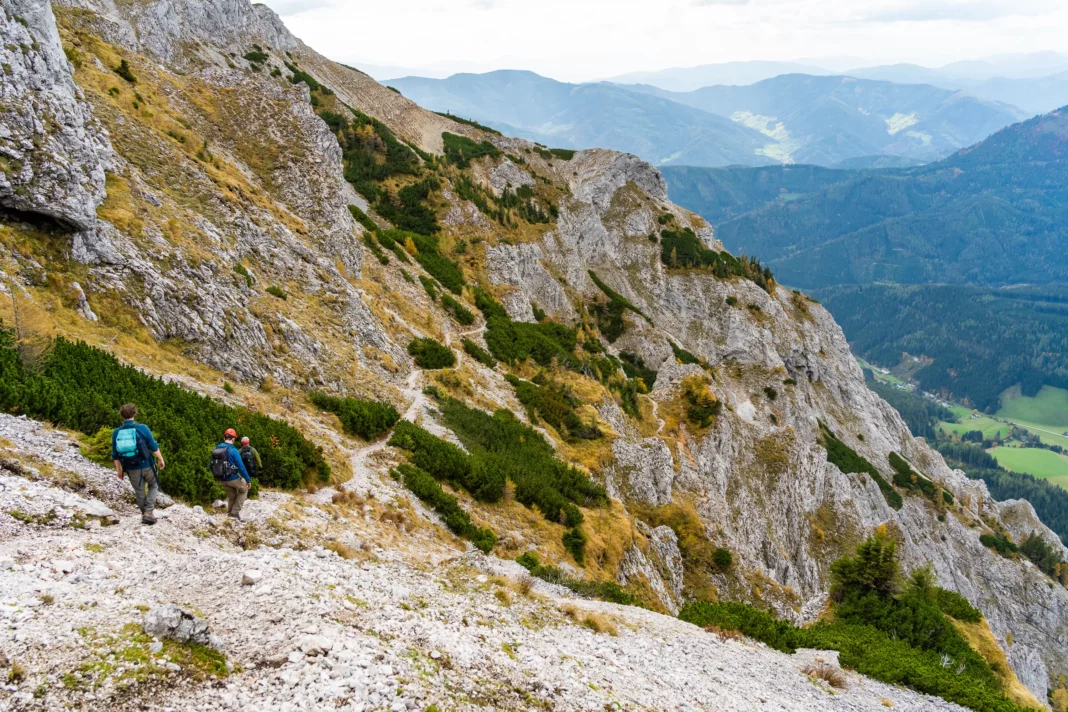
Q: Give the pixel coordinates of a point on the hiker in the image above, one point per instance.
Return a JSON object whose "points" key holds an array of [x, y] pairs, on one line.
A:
{"points": [[133, 450], [230, 472], [251, 458]]}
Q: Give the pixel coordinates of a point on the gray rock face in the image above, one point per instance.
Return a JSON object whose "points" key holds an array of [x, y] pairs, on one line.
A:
{"points": [[176, 623], [52, 152], [658, 565], [174, 31], [759, 477]]}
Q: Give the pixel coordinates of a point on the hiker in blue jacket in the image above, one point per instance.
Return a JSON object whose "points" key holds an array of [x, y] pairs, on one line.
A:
{"points": [[229, 471], [132, 450]]}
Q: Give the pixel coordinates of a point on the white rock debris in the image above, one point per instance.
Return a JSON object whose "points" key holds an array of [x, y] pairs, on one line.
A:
{"points": [[321, 632]]}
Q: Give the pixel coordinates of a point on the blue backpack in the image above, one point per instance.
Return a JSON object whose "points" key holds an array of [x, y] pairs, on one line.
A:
{"points": [[129, 446]]}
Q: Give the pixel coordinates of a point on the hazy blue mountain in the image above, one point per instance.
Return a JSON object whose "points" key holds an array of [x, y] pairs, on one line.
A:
{"points": [[685, 79], [601, 115], [1033, 95], [828, 119], [995, 213], [794, 118], [877, 161]]}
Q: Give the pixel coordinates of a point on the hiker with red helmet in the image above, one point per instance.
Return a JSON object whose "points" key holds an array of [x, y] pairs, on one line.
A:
{"points": [[251, 457], [229, 471]]}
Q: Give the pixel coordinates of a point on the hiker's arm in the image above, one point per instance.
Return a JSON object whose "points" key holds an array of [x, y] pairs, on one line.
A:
{"points": [[160, 464], [118, 468]]}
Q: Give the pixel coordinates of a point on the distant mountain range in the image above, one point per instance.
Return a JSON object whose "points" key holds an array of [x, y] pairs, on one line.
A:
{"points": [[530, 106], [788, 119], [825, 120], [995, 213], [1035, 82]]}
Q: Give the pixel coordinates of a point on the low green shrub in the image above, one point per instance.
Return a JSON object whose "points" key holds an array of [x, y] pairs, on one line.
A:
{"points": [[505, 445], [602, 590], [847, 460], [372, 245], [278, 292], [460, 150], [956, 606], [999, 543], [906, 478], [365, 418], [124, 71], [81, 387], [363, 218], [722, 558], [555, 407], [635, 367], [425, 251], [478, 353], [241, 270], [898, 637], [682, 249], [575, 542], [469, 122], [682, 355], [447, 462], [430, 286], [610, 315], [427, 489], [459, 312], [1044, 556], [257, 57], [429, 354]]}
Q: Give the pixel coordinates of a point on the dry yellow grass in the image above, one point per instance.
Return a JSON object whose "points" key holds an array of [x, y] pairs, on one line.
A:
{"points": [[982, 639]]}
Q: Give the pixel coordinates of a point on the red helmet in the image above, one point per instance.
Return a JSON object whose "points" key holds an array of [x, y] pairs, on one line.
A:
{"points": [[244, 441], [230, 433]]}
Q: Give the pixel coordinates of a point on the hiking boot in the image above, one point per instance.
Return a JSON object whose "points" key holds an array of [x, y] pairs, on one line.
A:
{"points": [[235, 516], [148, 517]]}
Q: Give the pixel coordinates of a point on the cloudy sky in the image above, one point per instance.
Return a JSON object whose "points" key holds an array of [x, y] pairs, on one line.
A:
{"points": [[578, 40]]}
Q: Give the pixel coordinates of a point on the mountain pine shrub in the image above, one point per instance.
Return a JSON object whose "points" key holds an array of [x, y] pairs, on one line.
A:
{"points": [[460, 313], [893, 633], [478, 353], [81, 387], [365, 418], [429, 354], [847, 460], [427, 489]]}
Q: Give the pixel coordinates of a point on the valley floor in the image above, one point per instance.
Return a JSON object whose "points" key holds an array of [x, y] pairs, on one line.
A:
{"points": [[401, 621]]}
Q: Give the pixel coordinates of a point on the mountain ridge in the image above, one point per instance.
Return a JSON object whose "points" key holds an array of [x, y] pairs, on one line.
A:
{"points": [[239, 243]]}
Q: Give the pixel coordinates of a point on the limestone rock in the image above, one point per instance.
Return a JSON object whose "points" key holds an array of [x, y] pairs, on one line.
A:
{"points": [[52, 151], [170, 621]]}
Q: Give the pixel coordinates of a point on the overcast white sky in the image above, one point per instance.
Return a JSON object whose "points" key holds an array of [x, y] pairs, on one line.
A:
{"points": [[575, 40]]}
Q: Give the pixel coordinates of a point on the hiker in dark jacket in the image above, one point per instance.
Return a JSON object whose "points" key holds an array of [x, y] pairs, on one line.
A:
{"points": [[132, 450], [251, 458], [230, 472]]}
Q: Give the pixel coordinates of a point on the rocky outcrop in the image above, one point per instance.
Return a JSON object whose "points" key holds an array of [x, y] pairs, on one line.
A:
{"points": [[183, 34], [52, 152]]}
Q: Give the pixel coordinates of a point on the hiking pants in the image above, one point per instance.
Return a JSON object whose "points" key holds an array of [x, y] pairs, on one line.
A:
{"points": [[236, 493], [142, 480]]}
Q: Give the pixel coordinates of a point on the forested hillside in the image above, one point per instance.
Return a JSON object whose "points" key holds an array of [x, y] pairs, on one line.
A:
{"points": [[982, 341], [994, 213]]}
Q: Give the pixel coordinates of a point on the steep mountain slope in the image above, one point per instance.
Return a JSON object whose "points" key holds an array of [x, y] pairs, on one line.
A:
{"points": [[588, 115], [825, 120], [233, 251]]}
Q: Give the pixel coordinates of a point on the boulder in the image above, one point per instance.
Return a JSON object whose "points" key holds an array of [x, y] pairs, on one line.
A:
{"points": [[170, 621]]}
